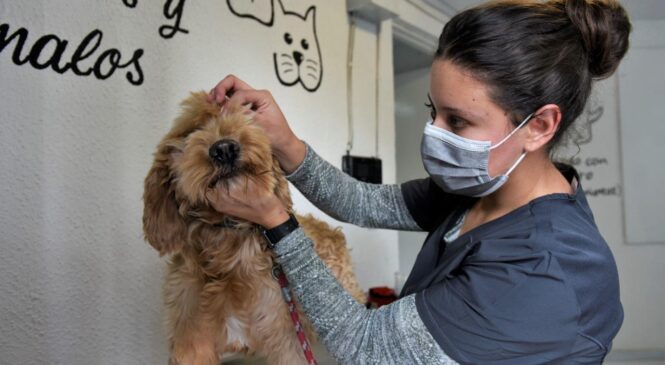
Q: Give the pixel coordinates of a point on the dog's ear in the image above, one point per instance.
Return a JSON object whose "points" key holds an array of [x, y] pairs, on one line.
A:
{"points": [[163, 227]]}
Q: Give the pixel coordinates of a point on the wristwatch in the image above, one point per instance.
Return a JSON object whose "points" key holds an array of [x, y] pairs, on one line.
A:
{"points": [[274, 235]]}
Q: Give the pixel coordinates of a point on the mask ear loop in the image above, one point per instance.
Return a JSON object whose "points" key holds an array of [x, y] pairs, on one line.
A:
{"points": [[514, 166], [528, 117]]}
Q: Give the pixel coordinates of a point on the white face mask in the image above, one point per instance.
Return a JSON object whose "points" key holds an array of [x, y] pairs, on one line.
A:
{"points": [[460, 165]]}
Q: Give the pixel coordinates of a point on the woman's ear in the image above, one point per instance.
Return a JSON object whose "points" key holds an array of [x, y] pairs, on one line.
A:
{"points": [[542, 127], [163, 227]]}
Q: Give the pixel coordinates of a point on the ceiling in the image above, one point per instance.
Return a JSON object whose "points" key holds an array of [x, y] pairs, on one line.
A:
{"points": [[406, 58], [637, 9]]}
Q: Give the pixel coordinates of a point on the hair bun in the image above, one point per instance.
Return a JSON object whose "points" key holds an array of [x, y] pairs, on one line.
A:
{"points": [[605, 27]]}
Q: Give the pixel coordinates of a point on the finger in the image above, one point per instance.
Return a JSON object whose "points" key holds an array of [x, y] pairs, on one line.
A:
{"points": [[255, 99], [228, 86], [235, 106], [211, 95]]}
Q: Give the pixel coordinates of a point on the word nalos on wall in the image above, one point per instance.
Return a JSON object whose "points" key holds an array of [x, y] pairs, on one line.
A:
{"points": [[47, 51]]}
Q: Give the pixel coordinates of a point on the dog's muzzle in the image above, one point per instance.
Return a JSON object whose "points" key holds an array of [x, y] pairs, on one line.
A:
{"points": [[224, 152]]}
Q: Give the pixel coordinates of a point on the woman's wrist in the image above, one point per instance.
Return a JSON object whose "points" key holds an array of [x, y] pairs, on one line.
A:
{"points": [[291, 155], [274, 218]]}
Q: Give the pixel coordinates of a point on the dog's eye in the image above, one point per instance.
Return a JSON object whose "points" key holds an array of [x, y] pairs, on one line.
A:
{"points": [[287, 38]]}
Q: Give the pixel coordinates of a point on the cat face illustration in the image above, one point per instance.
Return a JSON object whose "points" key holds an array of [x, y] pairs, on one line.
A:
{"points": [[297, 56], [296, 53]]}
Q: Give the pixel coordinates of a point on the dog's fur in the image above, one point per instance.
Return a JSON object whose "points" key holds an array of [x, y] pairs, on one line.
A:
{"points": [[219, 293]]}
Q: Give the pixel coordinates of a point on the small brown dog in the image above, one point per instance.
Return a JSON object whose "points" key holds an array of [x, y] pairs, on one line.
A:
{"points": [[219, 292]]}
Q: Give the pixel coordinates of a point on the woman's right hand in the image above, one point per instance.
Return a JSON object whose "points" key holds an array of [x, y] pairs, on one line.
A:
{"points": [[289, 149]]}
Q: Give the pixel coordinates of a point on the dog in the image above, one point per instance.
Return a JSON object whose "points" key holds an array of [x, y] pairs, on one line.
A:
{"points": [[219, 292]]}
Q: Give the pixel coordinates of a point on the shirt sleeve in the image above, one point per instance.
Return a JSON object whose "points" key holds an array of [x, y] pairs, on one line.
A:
{"points": [[392, 334], [349, 200], [503, 310]]}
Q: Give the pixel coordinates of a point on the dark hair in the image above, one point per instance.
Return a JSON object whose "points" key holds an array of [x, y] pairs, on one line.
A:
{"points": [[531, 54]]}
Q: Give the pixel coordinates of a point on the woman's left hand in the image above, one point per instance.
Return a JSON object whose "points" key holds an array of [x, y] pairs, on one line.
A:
{"points": [[249, 203]]}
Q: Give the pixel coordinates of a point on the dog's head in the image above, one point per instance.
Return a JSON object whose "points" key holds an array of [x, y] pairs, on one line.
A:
{"points": [[206, 148]]}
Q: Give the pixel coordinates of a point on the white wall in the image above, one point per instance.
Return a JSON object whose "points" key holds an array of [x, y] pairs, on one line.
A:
{"points": [[374, 251], [79, 284], [411, 90]]}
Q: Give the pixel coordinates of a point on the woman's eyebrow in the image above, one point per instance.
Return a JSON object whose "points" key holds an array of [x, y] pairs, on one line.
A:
{"points": [[463, 113]]}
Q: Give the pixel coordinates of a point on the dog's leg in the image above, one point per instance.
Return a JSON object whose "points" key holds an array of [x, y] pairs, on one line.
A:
{"points": [[195, 348], [290, 351], [191, 336], [274, 331]]}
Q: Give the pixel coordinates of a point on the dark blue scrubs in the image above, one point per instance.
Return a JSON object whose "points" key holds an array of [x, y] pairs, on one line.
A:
{"points": [[536, 286]]}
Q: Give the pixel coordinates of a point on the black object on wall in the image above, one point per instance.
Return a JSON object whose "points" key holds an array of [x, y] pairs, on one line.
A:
{"points": [[367, 169]]}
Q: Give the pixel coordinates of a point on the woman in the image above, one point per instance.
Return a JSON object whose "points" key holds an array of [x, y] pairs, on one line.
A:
{"points": [[514, 270]]}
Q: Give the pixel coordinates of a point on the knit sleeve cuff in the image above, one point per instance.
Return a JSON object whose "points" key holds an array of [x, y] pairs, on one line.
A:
{"points": [[300, 173], [291, 244]]}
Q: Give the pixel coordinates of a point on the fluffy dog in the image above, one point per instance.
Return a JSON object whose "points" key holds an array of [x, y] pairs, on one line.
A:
{"points": [[219, 292]]}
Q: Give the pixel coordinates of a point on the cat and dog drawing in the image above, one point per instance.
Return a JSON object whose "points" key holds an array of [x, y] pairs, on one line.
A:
{"points": [[297, 56]]}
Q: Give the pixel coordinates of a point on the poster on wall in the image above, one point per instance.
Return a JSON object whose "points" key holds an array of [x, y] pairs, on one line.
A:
{"points": [[580, 150], [590, 147]]}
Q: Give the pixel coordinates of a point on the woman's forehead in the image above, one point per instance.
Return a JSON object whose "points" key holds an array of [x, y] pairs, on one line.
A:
{"points": [[454, 89]]}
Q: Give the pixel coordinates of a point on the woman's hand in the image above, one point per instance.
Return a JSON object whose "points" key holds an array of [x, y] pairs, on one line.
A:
{"points": [[249, 203], [289, 150]]}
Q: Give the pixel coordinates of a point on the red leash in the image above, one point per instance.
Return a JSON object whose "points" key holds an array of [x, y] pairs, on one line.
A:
{"points": [[279, 275]]}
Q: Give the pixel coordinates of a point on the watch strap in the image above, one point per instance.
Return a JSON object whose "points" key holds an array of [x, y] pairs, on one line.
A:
{"points": [[275, 234]]}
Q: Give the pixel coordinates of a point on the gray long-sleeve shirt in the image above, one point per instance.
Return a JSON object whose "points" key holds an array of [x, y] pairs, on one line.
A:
{"points": [[392, 334], [538, 285]]}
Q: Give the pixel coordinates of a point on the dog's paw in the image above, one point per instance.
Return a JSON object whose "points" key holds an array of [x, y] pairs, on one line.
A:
{"points": [[260, 10]]}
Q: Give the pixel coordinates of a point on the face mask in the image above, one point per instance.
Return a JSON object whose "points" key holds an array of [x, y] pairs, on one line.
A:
{"points": [[459, 165]]}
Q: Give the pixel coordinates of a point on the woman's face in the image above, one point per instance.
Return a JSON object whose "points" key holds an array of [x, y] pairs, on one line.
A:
{"points": [[461, 104]]}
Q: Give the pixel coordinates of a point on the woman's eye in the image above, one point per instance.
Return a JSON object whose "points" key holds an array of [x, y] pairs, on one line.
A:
{"points": [[432, 110], [455, 123], [430, 104]]}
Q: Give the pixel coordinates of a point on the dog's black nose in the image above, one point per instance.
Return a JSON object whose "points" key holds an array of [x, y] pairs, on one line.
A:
{"points": [[224, 151], [298, 57]]}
